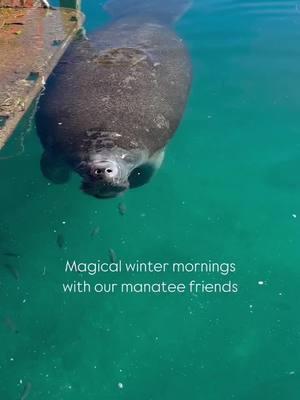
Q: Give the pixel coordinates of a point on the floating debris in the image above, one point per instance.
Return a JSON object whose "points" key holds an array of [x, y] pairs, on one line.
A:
{"points": [[120, 385], [112, 256], [60, 240], [122, 208], [13, 271], [95, 231], [26, 391]]}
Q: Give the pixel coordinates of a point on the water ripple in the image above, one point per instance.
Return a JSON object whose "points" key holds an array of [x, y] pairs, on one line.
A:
{"points": [[265, 8]]}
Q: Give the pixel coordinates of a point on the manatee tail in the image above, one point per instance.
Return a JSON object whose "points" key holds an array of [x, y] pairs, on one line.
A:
{"points": [[168, 10]]}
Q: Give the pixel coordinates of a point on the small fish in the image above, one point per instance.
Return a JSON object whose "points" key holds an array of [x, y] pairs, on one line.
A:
{"points": [[281, 306], [112, 256], [26, 391], [60, 240], [10, 324], [11, 254], [13, 271], [122, 208], [95, 231]]}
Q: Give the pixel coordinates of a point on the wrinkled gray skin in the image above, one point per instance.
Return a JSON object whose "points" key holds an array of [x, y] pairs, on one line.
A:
{"points": [[112, 104]]}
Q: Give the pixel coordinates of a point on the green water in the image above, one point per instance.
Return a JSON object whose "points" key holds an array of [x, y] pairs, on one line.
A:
{"points": [[228, 191]]}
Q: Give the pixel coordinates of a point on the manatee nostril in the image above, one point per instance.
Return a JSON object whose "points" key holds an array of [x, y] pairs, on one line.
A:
{"points": [[101, 173], [97, 171]]}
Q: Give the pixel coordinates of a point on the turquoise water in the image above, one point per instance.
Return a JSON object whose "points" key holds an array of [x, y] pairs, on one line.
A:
{"points": [[228, 191]]}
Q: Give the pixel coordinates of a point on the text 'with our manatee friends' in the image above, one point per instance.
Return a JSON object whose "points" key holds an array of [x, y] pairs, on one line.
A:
{"points": [[150, 277]]}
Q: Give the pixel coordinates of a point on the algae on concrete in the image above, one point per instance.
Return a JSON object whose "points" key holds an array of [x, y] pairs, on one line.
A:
{"points": [[32, 40]]}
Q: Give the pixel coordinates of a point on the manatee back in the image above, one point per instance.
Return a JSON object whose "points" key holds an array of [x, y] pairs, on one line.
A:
{"points": [[126, 86]]}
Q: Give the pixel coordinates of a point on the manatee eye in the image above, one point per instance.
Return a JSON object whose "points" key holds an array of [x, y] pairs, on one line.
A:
{"points": [[109, 170], [129, 158]]}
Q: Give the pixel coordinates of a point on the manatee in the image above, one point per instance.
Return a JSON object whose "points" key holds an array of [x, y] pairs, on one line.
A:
{"points": [[116, 98]]}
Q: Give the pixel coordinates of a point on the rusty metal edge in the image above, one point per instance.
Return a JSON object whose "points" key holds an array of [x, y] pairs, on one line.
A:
{"points": [[13, 122]]}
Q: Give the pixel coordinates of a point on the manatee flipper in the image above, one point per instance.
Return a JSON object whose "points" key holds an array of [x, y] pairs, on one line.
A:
{"points": [[54, 169], [143, 173], [140, 175], [169, 10]]}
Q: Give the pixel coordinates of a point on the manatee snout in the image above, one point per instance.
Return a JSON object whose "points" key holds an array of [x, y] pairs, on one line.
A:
{"points": [[106, 171], [104, 179]]}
